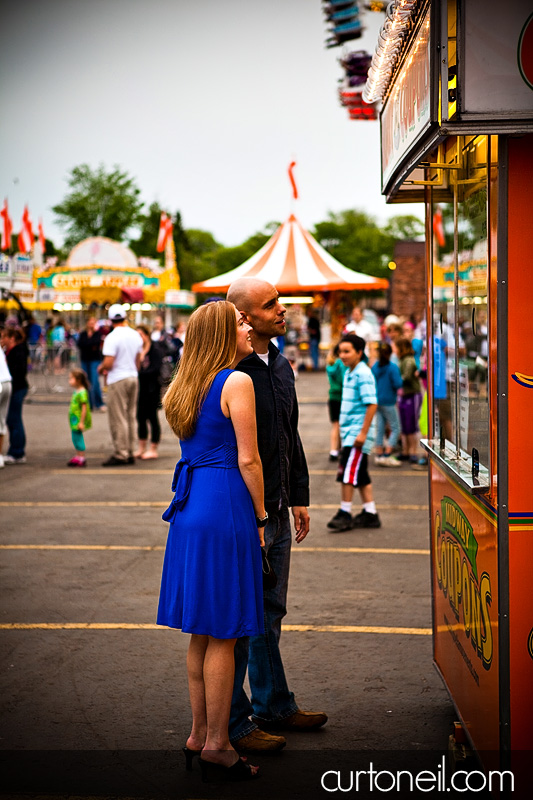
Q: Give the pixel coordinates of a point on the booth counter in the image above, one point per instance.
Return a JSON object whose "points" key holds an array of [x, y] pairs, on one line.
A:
{"points": [[457, 135]]}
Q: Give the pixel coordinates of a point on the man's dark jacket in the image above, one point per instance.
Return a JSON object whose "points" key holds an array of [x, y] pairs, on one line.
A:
{"points": [[90, 346], [285, 471], [17, 363]]}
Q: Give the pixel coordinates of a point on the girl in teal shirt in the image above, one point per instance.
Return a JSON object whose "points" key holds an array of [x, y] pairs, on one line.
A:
{"points": [[335, 370], [79, 415]]}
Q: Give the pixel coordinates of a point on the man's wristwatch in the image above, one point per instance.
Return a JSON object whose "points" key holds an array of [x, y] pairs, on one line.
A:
{"points": [[261, 522]]}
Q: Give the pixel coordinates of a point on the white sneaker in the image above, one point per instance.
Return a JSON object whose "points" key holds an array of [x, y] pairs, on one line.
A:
{"points": [[1, 461], [390, 461], [13, 460], [387, 461]]}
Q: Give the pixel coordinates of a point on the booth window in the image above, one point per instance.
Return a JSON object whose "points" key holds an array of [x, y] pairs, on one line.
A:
{"points": [[460, 295]]}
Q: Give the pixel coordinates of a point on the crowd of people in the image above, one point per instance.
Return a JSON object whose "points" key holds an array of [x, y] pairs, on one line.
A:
{"points": [[395, 353], [108, 352], [375, 402]]}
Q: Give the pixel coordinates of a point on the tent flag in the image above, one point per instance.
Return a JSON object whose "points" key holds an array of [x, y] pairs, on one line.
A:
{"points": [[293, 182], [42, 240], [438, 226], [293, 261], [165, 230], [26, 237], [7, 227]]}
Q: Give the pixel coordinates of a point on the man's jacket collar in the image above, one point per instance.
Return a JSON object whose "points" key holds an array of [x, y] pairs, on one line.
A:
{"points": [[253, 359]]}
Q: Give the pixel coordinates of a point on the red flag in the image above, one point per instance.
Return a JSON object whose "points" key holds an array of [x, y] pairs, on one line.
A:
{"points": [[165, 230], [7, 227], [438, 227], [26, 237], [293, 182], [42, 240]]}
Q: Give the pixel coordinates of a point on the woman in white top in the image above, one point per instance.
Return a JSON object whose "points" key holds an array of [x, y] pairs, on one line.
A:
{"points": [[5, 396]]}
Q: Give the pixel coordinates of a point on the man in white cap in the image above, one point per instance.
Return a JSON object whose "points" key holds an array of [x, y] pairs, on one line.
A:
{"points": [[122, 356]]}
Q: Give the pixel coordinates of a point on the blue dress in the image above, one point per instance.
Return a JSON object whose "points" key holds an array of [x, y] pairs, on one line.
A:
{"points": [[212, 579]]}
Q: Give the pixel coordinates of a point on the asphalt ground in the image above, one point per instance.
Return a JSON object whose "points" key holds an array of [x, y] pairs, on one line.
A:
{"points": [[94, 698]]}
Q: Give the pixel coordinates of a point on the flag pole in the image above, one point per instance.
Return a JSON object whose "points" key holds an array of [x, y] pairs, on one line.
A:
{"points": [[293, 185]]}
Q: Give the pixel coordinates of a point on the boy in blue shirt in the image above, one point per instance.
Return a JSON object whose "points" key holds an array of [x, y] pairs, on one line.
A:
{"points": [[358, 406]]}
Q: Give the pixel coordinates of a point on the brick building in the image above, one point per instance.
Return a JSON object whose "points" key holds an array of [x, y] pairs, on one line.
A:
{"points": [[407, 291]]}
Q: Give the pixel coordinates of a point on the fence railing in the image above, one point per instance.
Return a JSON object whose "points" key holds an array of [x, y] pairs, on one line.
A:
{"points": [[49, 366]]}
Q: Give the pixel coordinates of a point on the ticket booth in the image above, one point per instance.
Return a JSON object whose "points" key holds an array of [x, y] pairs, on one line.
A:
{"points": [[457, 135]]}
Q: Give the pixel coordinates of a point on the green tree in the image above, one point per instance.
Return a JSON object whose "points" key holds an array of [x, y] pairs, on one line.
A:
{"points": [[197, 257], [195, 249], [231, 257], [354, 238], [405, 226], [146, 243], [180, 236], [51, 249], [99, 203]]}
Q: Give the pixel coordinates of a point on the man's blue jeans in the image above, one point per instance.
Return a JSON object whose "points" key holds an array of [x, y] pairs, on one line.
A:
{"points": [[95, 395], [270, 695], [17, 435], [314, 351]]}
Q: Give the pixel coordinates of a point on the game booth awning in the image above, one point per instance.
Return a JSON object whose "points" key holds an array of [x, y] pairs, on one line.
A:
{"points": [[294, 262]]}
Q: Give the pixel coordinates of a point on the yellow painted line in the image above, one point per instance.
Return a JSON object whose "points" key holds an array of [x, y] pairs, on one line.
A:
{"points": [[356, 629], [133, 470], [88, 503], [162, 504], [381, 507], [404, 551], [79, 626], [125, 471], [396, 473], [400, 551], [79, 547], [134, 626]]}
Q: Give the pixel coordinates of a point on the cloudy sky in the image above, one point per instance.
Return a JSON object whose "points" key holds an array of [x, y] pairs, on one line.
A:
{"points": [[204, 102]]}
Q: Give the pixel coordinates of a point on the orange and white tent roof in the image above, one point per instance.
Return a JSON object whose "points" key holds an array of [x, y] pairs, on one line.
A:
{"points": [[293, 261]]}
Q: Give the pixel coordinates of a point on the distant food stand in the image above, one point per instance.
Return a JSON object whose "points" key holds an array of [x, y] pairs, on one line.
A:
{"points": [[16, 283], [100, 271], [457, 135]]}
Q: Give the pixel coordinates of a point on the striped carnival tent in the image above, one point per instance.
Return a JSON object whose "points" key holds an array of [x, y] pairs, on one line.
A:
{"points": [[294, 262]]}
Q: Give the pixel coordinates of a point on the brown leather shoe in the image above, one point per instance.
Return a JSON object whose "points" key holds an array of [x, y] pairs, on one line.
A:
{"points": [[259, 742], [299, 721]]}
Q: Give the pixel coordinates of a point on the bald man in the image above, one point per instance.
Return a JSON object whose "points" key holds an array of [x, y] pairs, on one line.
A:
{"points": [[286, 479]]}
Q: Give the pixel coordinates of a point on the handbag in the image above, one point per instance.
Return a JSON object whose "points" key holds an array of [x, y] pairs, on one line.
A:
{"points": [[269, 576]]}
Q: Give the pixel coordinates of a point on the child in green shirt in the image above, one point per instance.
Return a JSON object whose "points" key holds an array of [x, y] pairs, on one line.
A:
{"points": [[335, 370], [79, 415]]}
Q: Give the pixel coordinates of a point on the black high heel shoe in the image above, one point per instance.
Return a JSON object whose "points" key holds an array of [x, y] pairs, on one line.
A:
{"points": [[240, 771], [189, 755]]}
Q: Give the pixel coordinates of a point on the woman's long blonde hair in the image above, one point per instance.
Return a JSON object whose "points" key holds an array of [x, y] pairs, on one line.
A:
{"points": [[210, 346]]}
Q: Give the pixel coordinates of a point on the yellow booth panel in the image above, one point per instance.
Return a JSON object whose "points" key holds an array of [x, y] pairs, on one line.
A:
{"points": [[465, 605], [100, 295], [155, 295]]}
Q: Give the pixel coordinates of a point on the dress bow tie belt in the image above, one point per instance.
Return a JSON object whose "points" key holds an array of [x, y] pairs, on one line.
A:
{"points": [[222, 457]]}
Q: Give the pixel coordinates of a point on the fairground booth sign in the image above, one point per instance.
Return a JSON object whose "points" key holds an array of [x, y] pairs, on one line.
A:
{"points": [[100, 271], [455, 78]]}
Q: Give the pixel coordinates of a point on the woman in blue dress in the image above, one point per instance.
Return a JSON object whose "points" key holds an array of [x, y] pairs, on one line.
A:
{"points": [[212, 575]]}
